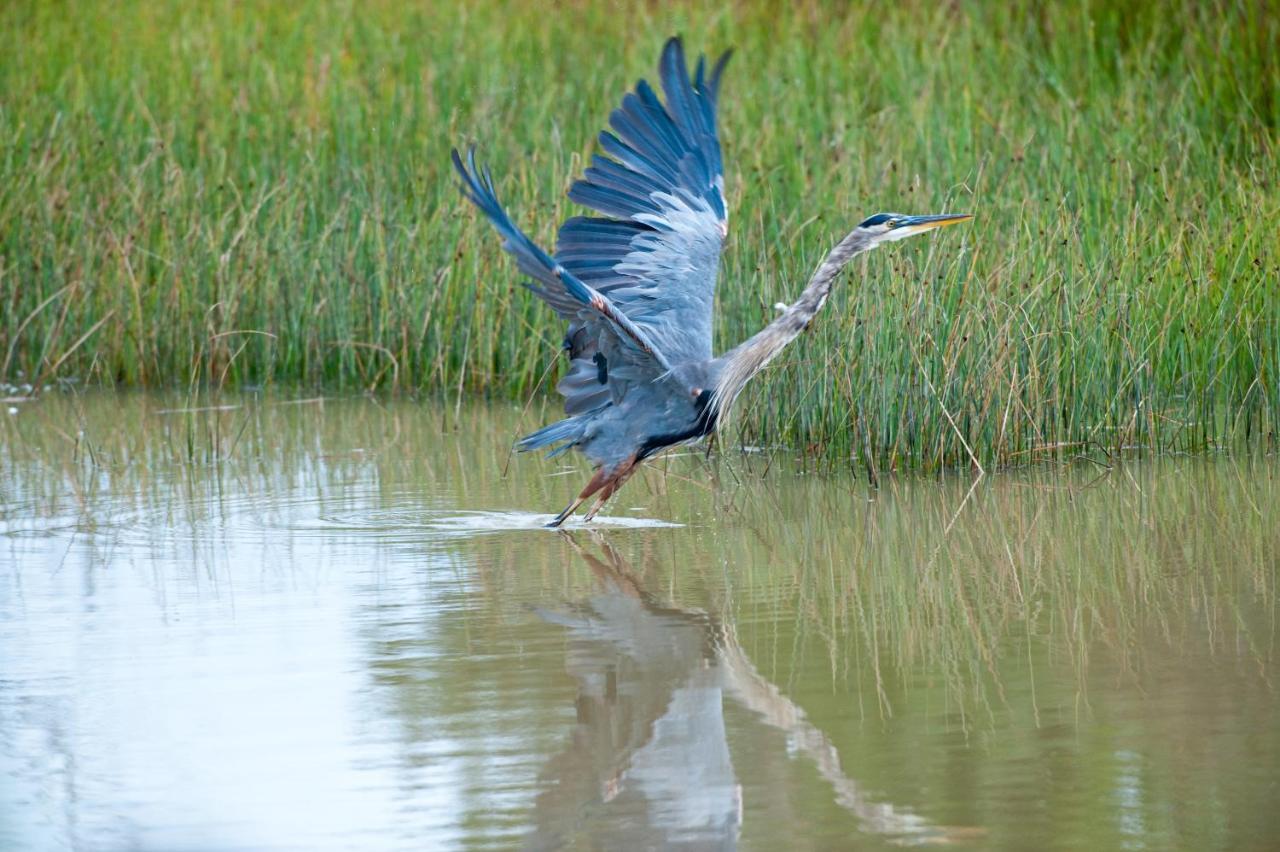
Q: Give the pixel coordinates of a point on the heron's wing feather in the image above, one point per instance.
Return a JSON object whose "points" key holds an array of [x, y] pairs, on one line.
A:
{"points": [[661, 190], [586, 307]]}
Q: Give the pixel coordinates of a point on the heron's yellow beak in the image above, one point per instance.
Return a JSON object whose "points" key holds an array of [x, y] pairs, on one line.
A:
{"points": [[918, 224]]}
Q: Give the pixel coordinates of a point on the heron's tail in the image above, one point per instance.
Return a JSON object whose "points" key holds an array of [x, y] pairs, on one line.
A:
{"points": [[570, 429]]}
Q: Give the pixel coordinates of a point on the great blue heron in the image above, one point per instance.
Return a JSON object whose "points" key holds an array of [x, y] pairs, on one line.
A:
{"points": [[637, 285]]}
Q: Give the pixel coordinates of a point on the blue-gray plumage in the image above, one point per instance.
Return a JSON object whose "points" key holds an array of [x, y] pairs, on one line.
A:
{"points": [[637, 284]]}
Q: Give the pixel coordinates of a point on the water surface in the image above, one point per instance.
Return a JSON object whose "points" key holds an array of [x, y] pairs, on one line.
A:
{"points": [[304, 624]]}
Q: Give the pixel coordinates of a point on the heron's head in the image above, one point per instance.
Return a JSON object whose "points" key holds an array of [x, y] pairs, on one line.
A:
{"points": [[887, 227]]}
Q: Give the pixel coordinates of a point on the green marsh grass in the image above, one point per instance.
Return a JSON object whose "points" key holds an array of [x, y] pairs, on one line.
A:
{"points": [[210, 195]]}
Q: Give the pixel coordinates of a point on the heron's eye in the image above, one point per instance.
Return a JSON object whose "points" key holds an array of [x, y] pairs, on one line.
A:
{"points": [[892, 223]]}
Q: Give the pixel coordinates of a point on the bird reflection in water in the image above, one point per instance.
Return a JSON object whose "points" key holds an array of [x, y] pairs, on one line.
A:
{"points": [[648, 763]]}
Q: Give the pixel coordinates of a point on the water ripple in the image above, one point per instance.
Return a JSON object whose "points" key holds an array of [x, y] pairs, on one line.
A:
{"points": [[481, 522]]}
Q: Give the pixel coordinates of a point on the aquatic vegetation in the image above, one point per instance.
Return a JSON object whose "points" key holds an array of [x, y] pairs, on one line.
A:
{"points": [[253, 194]]}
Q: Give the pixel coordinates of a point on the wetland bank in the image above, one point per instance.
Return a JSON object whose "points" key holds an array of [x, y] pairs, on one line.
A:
{"points": [[281, 623]]}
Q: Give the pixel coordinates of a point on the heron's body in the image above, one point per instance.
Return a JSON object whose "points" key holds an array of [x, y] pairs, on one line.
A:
{"points": [[637, 284]]}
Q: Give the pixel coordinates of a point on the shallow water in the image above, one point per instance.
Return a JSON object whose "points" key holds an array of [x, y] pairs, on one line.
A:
{"points": [[338, 624]]}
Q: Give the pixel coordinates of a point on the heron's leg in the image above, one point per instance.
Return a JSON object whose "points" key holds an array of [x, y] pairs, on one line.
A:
{"points": [[598, 481], [615, 482], [599, 503]]}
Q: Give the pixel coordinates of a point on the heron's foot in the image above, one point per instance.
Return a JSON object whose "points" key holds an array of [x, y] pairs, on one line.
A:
{"points": [[559, 519]]}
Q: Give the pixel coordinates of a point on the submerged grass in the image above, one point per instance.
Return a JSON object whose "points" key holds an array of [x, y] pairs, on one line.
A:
{"points": [[216, 194]]}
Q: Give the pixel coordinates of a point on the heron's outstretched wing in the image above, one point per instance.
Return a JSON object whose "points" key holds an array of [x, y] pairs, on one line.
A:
{"points": [[656, 252], [587, 308]]}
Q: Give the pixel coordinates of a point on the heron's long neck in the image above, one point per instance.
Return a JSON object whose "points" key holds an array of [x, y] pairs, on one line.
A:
{"points": [[749, 357]]}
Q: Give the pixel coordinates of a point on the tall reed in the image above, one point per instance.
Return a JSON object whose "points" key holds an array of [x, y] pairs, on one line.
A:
{"points": [[212, 194]]}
